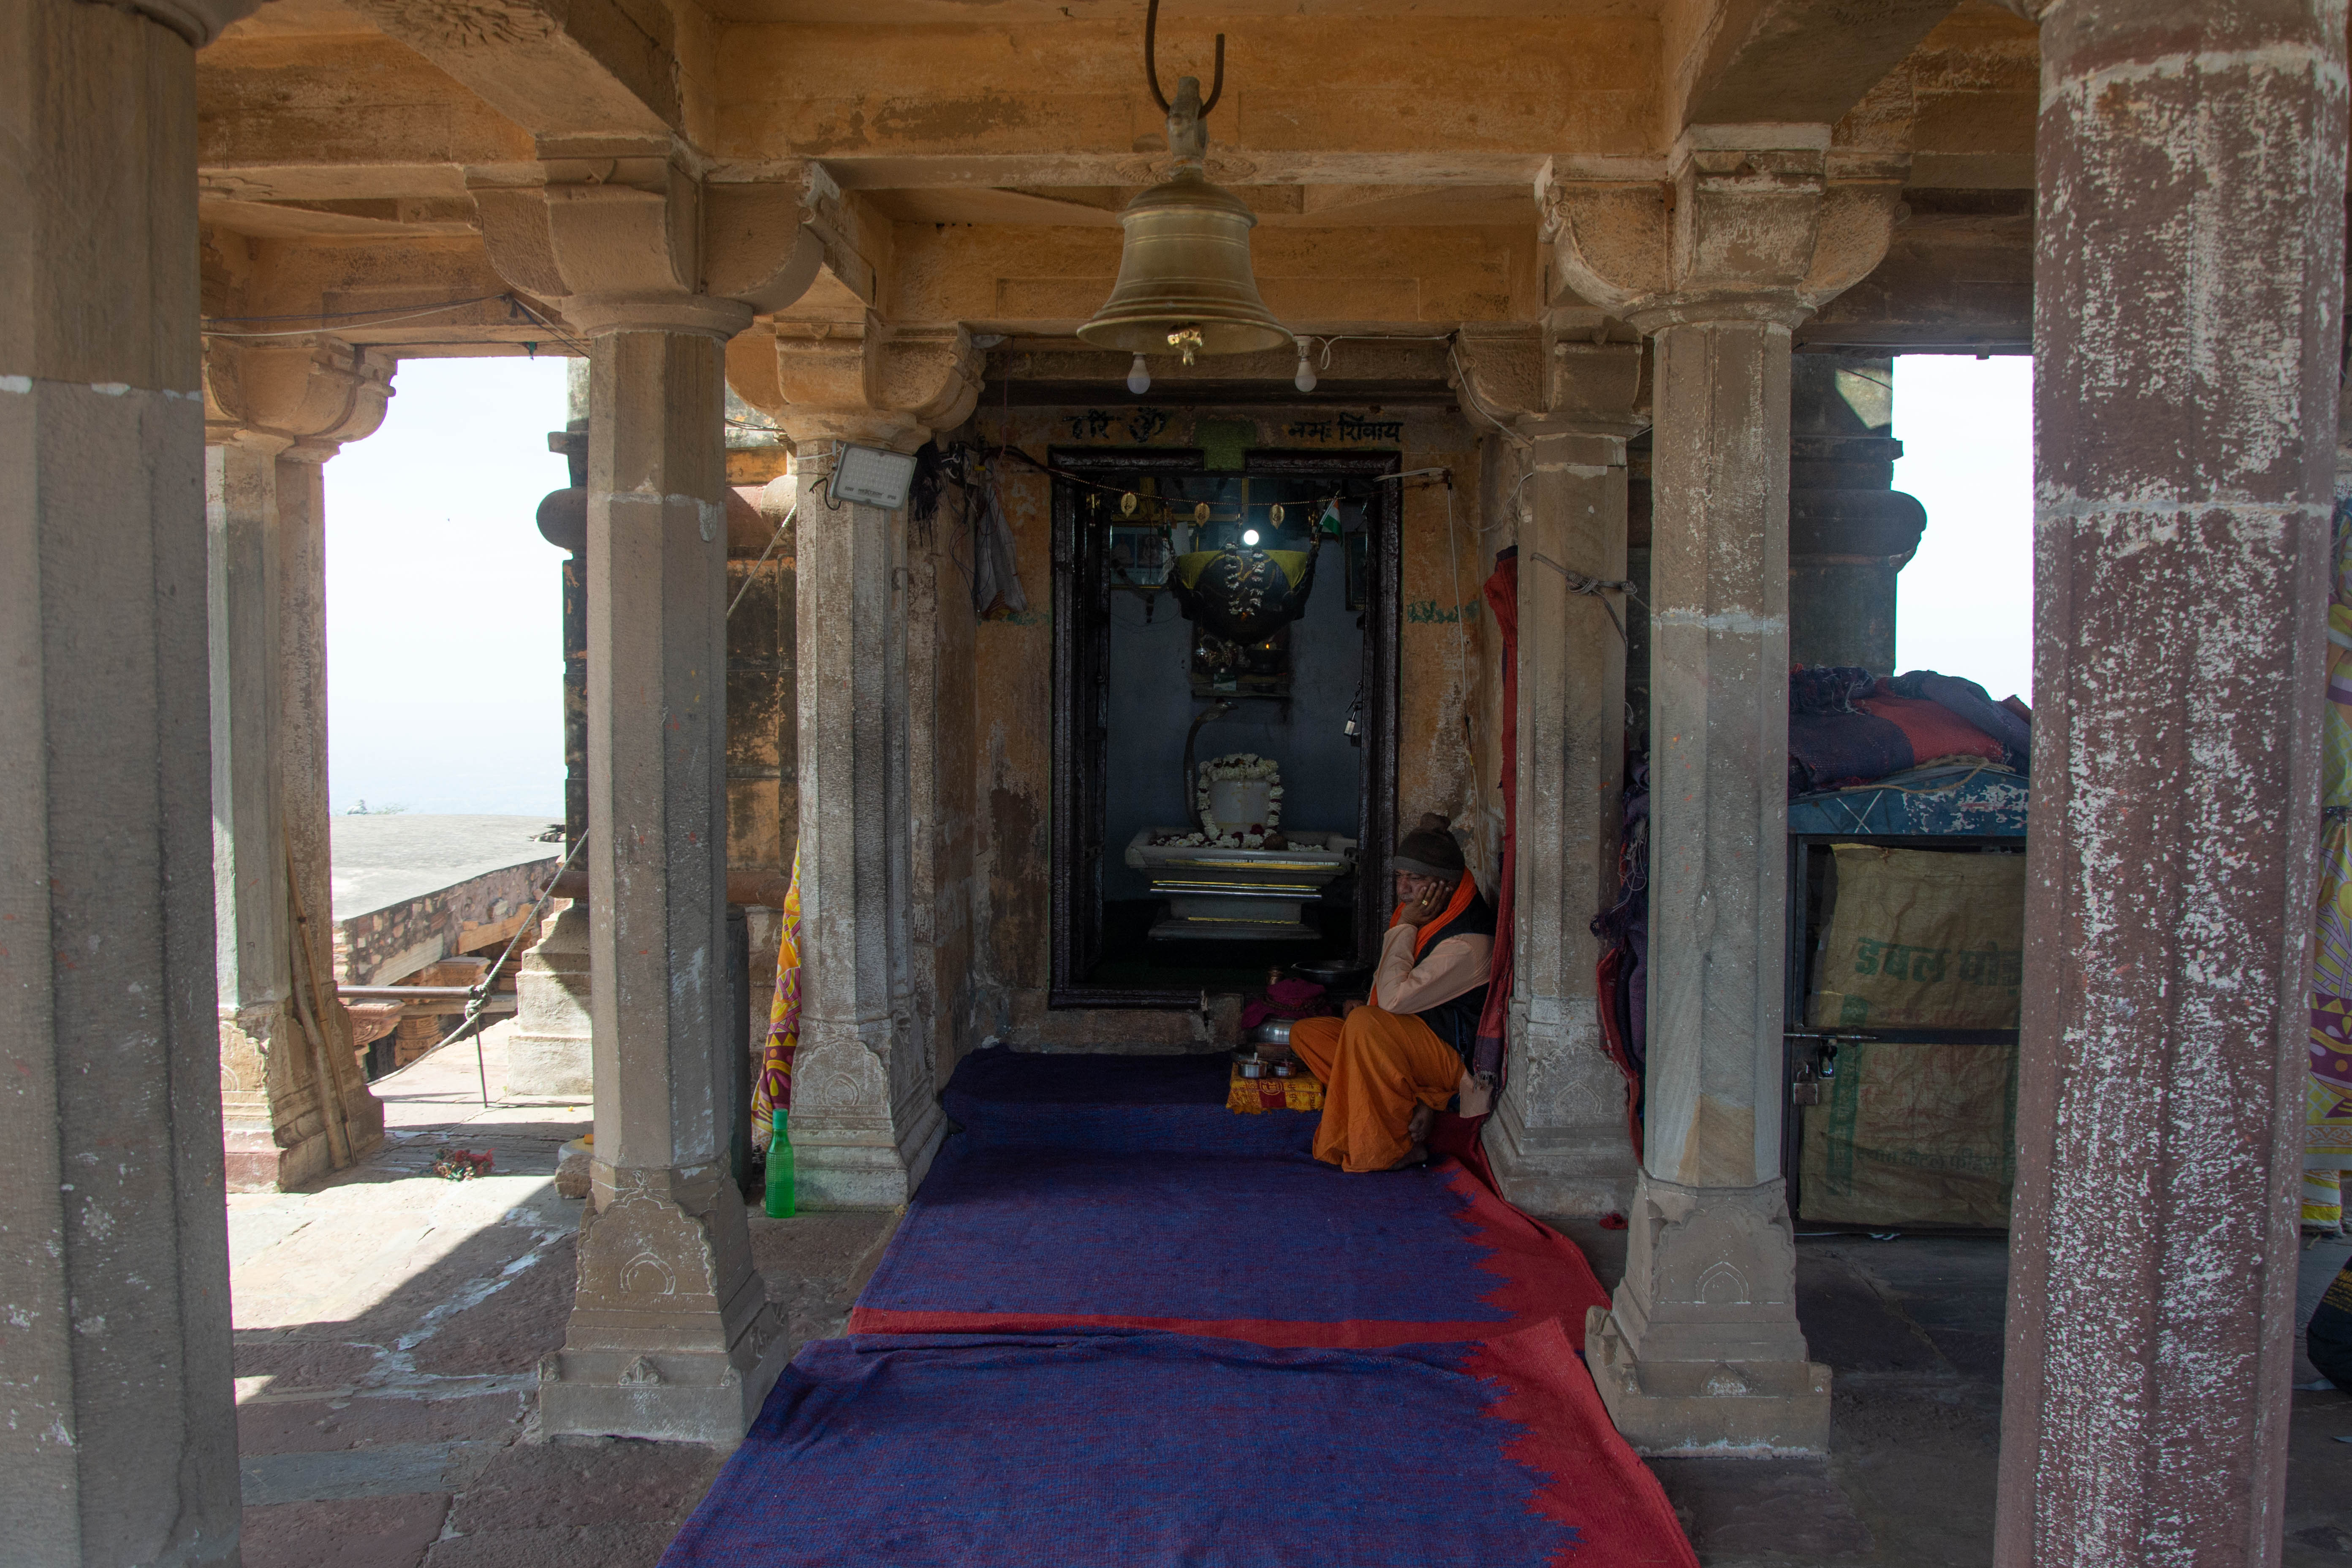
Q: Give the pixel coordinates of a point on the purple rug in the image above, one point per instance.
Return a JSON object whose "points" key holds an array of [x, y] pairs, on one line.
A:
{"points": [[1149, 1449]]}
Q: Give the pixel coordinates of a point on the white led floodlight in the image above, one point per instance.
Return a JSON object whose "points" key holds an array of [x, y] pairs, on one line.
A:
{"points": [[872, 476]]}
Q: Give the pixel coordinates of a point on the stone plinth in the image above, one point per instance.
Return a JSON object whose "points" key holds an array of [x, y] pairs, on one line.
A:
{"points": [[549, 1054], [1699, 1350]]}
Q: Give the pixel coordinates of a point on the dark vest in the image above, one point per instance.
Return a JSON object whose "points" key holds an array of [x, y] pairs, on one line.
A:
{"points": [[1455, 1021]]}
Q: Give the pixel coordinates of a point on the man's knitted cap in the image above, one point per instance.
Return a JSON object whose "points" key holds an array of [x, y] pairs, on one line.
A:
{"points": [[1429, 850]]}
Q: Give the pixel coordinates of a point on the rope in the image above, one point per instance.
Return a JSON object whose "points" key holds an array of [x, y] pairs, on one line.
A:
{"points": [[480, 991], [775, 539], [1593, 587]]}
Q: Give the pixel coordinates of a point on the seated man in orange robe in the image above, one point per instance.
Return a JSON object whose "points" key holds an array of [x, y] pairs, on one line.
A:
{"points": [[1395, 1062]]}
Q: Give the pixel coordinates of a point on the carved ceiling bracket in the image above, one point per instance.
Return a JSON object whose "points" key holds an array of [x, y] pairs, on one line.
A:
{"points": [[312, 394], [642, 243], [1745, 225], [864, 380]]}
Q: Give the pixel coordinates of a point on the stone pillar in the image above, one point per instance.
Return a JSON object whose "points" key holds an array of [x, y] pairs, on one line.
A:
{"points": [[865, 1116], [1850, 530], [1700, 1348], [254, 950], [302, 744], [2188, 299], [1559, 1141], [548, 1052], [118, 1443], [670, 1334], [1703, 1337], [295, 1102]]}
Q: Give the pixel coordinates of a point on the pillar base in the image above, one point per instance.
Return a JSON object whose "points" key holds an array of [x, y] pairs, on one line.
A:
{"points": [[551, 1053], [671, 1337], [849, 1169], [1580, 1159], [1695, 1408], [1700, 1351], [273, 1137]]}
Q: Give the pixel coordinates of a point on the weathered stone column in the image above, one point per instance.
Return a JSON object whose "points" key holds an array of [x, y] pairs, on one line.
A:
{"points": [[1701, 1347], [670, 1335], [302, 741], [254, 950], [1851, 531], [277, 413], [1559, 1141], [865, 1115], [118, 1437], [550, 1051], [2188, 301]]}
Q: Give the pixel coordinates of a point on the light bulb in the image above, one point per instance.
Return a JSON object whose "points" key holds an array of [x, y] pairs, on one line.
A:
{"points": [[1305, 379], [1249, 536], [1139, 380]]}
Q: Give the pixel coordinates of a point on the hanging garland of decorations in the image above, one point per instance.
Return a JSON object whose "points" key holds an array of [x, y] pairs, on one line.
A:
{"points": [[1242, 766]]}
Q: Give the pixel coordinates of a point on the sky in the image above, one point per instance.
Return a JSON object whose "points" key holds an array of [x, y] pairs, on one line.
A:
{"points": [[444, 647], [444, 615], [1967, 598]]}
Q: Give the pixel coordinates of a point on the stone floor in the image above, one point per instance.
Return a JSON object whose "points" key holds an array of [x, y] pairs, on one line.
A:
{"points": [[1912, 1329], [388, 1323]]}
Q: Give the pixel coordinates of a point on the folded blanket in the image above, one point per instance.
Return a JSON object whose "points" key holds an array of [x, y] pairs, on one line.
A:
{"points": [[1972, 705], [1830, 749], [1847, 726], [1932, 729]]}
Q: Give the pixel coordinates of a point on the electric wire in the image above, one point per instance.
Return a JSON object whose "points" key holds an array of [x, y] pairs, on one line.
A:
{"points": [[211, 332]]}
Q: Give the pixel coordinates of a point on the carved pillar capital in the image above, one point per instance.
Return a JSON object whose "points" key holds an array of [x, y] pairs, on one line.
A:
{"points": [[301, 398], [642, 244], [864, 380], [1752, 223]]}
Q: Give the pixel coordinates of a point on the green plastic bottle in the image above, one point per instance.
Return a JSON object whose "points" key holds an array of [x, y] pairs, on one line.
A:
{"points": [[780, 1171]]}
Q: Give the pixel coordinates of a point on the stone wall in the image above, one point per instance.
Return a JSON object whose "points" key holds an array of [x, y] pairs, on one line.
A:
{"points": [[386, 946]]}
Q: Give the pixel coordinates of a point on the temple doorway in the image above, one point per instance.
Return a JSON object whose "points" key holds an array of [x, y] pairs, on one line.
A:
{"points": [[1225, 718]]}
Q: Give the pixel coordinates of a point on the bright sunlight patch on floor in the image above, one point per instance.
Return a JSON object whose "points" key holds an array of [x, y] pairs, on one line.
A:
{"points": [[445, 652], [1966, 430]]}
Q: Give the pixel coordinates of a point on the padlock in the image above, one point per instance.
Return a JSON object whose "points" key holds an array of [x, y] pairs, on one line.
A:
{"points": [[1805, 1088]]}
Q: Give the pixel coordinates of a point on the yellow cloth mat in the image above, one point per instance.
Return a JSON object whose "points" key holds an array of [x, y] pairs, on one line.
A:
{"points": [[1253, 1095]]}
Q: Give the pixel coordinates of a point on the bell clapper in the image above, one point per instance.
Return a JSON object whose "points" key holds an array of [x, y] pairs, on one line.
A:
{"points": [[1188, 339]]}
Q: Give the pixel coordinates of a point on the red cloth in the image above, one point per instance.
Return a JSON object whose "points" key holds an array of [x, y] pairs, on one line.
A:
{"points": [[1933, 730], [1503, 599], [1287, 999]]}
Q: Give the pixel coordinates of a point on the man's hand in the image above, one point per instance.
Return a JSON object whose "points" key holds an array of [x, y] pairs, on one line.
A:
{"points": [[1427, 906]]}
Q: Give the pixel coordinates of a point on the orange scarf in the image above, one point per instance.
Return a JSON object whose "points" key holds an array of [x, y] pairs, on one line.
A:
{"points": [[1464, 892]]}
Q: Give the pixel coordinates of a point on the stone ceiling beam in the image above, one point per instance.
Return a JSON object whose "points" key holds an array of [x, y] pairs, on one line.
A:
{"points": [[1295, 87], [352, 104], [1735, 63], [1031, 278], [560, 69]]}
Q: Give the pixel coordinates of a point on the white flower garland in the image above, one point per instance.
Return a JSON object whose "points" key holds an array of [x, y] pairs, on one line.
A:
{"points": [[1243, 765]]}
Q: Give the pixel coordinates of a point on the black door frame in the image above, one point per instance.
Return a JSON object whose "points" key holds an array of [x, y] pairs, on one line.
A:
{"points": [[1081, 651]]}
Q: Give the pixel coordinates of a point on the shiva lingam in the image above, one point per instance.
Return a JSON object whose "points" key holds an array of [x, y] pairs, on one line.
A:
{"points": [[1235, 877]]}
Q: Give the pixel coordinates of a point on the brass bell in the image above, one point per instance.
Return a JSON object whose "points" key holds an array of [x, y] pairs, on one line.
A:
{"points": [[1184, 280], [1184, 283]]}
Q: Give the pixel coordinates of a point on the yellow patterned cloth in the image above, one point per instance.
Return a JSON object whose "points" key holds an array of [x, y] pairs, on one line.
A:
{"points": [[1254, 1096], [774, 1090]]}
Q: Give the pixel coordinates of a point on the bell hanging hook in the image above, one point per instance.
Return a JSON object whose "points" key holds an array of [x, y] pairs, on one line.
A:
{"points": [[1151, 65]]}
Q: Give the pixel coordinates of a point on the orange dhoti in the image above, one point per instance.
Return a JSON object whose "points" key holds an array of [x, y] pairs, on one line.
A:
{"points": [[1375, 1068]]}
